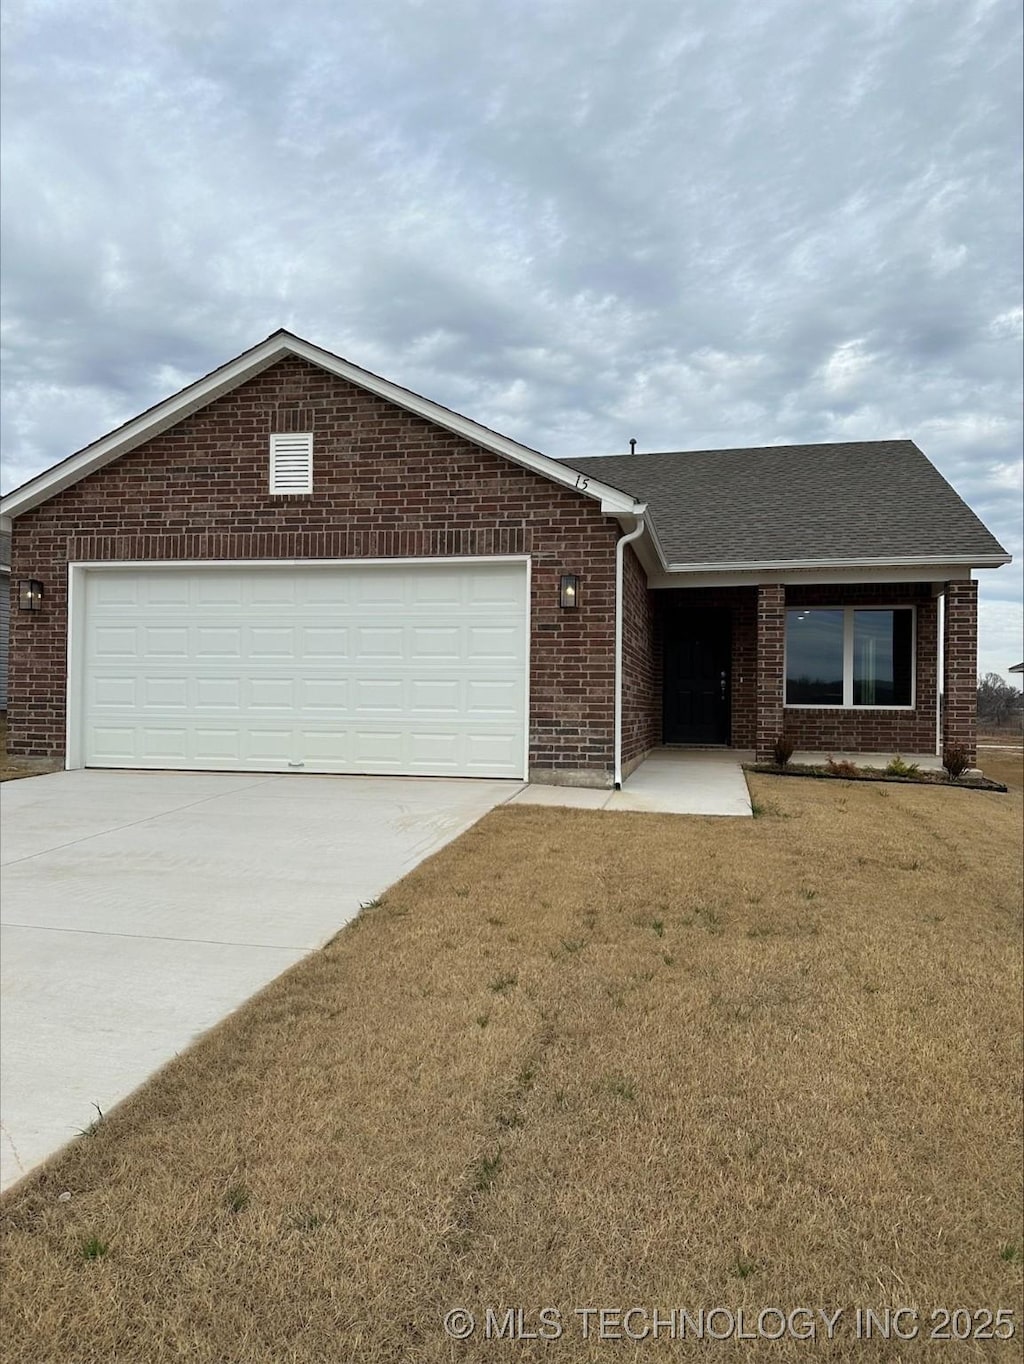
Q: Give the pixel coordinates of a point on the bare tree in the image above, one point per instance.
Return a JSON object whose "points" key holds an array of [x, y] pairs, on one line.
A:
{"points": [[998, 701]]}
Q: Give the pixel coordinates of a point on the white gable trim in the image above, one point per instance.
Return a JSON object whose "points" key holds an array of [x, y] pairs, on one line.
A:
{"points": [[157, 419], [852, 571]]}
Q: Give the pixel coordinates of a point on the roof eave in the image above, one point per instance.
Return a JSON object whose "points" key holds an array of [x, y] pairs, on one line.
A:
{"points": [[781, 565]]}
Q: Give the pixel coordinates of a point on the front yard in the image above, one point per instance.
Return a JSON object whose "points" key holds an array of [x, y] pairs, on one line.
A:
{"points": [[581, 1059]]}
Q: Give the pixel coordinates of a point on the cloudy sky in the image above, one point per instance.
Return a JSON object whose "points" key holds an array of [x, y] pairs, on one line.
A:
{"points": [[698, 222]]}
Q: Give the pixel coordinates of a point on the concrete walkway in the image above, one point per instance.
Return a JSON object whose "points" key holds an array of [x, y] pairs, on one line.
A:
{"points": [[672, 781], [141, 907]]}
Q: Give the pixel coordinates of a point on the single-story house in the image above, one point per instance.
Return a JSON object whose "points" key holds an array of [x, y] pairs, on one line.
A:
{"points": [[296, 565]]}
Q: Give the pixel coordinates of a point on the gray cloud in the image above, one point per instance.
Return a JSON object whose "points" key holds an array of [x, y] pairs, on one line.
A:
{"points": [[577, 222]]}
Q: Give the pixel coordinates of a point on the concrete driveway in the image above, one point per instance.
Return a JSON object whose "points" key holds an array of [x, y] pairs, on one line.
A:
{"points": [[139, 908]]}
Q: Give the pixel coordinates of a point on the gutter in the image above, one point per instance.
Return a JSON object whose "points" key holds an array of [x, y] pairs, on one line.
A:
{"points": [[620, 547]]}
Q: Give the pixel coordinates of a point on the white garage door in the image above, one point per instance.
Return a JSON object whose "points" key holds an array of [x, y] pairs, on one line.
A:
{"points": [[413, 669]]}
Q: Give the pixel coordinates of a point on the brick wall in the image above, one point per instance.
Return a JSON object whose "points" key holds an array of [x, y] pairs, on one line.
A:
{"points": [[386, 483], [873, 731], [960, 667], [771, 631], [641, 665], [758, 625]]}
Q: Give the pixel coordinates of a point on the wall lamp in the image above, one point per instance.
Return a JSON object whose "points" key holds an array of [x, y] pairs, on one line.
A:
{"points": [[569, 591], [30, 595]]}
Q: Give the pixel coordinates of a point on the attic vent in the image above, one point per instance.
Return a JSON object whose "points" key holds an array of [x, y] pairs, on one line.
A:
{"points": [[291, 462]]}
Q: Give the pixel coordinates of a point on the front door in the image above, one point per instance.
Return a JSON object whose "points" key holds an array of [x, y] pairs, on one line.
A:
{"points": [[697, 651]]}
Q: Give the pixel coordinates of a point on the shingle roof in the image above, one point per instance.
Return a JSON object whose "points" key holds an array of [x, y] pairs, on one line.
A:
{"points": [[779, 503]]}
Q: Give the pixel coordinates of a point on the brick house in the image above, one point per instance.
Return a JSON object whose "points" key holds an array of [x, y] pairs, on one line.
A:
{"points": [[293, 564]]}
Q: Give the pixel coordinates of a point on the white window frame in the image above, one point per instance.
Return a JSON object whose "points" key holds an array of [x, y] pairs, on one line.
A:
{"points": [[290, 438], [847, 702]]}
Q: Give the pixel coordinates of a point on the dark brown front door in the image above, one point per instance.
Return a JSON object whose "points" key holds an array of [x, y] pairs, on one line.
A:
{"points": [[697, 652]]}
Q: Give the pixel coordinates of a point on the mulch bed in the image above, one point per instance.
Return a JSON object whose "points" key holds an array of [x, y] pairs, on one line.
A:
{"points": [[877, 774]]}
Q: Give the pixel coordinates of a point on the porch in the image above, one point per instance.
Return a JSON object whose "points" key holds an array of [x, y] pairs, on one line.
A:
{"points": [[670, 781], [870, 668]]}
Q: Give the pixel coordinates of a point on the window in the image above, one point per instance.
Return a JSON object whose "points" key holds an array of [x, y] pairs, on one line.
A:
{"points": [[291, 462], [850, 656]]}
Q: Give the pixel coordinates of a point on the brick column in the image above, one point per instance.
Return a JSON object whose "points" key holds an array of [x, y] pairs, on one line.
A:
{"points": [[960, 667], [771, 630]]}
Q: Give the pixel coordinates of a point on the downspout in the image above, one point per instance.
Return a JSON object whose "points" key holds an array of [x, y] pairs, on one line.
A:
{"points": [[940, 668], [619, 561]]}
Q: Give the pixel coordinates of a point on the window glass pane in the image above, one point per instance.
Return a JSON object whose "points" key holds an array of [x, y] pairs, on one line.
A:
{"points": [[882, 657], [814, 658]]}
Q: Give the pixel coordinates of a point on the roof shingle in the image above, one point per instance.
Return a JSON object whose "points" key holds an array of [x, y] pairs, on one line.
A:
{"points": [[779, 503]]}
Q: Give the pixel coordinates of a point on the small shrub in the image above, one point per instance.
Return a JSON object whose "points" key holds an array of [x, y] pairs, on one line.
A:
{"points": [[896, 767], [782, 750], [842, 768], [955, 761]]}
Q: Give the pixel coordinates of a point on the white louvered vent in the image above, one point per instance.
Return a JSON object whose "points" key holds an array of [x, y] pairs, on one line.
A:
{"points": [[291, 462]]}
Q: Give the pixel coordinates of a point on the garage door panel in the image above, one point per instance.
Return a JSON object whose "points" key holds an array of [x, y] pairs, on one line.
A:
{"points": [[216, 642], [492, 696], [435, 695], [165, 590], [491, 750], [378, 696], [324, 643], [352, 668], [270, 693], [493, 642], [161, 744], [372, 746], [116, 692], [374, 642], [270, 642], [329, 694], [115, 641], [218, 693], [434, 749], [164, 693], [270, 745], [223, 588]]}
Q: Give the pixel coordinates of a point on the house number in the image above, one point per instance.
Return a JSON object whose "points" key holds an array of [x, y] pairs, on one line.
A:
{"points": [[582, 483]]}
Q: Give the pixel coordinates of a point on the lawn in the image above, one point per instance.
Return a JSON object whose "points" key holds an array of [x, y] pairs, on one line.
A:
{"points": [[581, 1059], [12, 768]]}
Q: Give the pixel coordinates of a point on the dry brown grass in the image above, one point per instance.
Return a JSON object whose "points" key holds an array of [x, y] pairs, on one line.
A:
{"points": [[11, 768], [580, 1059]]}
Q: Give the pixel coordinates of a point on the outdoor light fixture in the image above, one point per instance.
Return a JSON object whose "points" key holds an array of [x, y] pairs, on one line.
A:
{"points": [[30, 595], [569, 591]]}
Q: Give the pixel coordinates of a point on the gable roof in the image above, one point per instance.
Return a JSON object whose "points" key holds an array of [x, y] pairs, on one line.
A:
{"points": [[773, 507], [860, 502], [254, 361]]}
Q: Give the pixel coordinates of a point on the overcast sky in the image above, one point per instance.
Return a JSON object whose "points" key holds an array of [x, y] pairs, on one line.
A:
{"points": [[702, 223]]}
